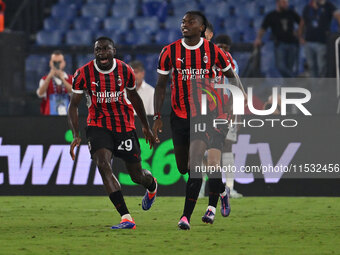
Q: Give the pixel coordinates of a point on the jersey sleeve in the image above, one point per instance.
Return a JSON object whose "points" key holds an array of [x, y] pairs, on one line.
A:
{"points": [[131, 79], [222, 60], [164, 65], [231, 60], [78, 82], [41, 82]]}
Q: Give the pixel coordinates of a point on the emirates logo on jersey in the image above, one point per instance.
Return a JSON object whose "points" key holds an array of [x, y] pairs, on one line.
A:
{"points": [[192, 73], [205, 58], [119, 81], [108, 96]]}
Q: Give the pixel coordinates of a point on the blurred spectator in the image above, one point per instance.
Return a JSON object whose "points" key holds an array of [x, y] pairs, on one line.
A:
{"points": [[144, 90], [281, 21], [224, 42], [54, 89], [209, 31], [316, 22]]}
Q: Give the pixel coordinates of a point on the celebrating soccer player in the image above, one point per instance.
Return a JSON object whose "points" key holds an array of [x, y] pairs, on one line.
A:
{"points": [[110, 123], [187, 57]]}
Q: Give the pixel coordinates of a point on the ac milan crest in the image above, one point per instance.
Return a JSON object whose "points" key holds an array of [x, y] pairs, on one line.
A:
{"points": [[205, 58], [119, 81]]}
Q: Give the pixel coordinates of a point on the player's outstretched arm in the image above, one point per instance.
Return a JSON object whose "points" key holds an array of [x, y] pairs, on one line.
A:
{"points": [[73, 121], [158, 102], [138, 105], [235, 80]]}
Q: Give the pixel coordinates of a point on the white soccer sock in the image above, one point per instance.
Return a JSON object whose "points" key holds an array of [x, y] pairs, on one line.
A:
{"points": [[213, 209], [228, 163], [127, 216]]}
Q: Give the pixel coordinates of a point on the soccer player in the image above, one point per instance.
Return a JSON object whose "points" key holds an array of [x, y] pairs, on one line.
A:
{"points": [[186, 57], [222, 138], [109, 86], [224, 42]]}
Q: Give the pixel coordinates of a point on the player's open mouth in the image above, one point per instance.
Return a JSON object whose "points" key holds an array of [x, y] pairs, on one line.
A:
{"points": [[184, 30], [104, 61]]}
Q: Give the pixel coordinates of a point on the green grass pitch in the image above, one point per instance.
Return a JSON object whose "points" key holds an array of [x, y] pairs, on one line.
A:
{"points": [[81, 225]]}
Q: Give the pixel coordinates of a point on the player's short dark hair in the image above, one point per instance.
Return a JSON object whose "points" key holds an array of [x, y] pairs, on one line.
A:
{"points": [[210, 27], [223, 39], [136, 64], [105, 38], [204, 19], [57, 52]]}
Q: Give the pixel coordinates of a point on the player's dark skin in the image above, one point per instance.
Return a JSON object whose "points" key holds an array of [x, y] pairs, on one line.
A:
{"points": [[104, 52], [192, 27]]}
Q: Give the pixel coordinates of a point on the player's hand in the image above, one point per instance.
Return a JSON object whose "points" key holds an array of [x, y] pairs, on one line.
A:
{"points": [[76, 142], [59, 73], [149, 137], [52, 72], [157, 127], [257, 43]]}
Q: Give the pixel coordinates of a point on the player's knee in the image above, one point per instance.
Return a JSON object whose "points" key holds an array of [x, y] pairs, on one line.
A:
{"points": [[214, 162]]}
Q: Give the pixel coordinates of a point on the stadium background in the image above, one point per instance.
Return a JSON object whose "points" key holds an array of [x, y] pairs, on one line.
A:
{"points": [[140, 28]]}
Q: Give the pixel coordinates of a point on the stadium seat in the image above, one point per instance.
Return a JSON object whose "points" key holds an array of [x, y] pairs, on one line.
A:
{"points": [[257, 23], [230, 24], [124, 11], [113, 34], [95, 10], [157, 9], [135, 37], [79, 37], [125, 2], [164, 37], [219, 9], [149, 24], [38, 63], [107, 2], [56, 24], [68, 11], [127, 58], [251, 10], [49, 38], [116, 24], [249, 35], [84, 59], [188, 2], [36, 67], [78, 3], [150, 62], [172, 23], [242, 24], [86, 23], [31, 81]]}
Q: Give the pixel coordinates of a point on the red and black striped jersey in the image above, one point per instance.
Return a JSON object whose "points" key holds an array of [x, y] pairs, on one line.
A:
{"points": [[188, 64], [105, 92], [220, 79]]}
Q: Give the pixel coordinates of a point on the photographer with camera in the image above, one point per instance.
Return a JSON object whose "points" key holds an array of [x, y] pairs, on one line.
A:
{"points": [[54, 89]]}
